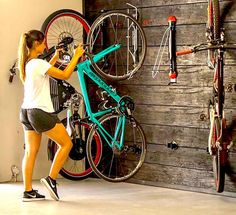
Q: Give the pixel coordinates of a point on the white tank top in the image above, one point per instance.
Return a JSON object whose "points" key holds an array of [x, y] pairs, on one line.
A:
{"points": [[37, 87]]}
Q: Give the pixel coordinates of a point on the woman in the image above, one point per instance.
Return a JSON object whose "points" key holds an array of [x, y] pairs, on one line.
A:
{"points": [[37, 110]]}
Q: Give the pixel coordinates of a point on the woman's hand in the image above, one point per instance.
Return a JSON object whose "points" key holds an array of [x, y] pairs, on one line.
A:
{"points": [[57, 53], [79, 51], [56, 56]]}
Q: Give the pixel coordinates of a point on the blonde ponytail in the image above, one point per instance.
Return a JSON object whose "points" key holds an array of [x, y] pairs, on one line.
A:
{"points": [[22, 56], [26, 44]]}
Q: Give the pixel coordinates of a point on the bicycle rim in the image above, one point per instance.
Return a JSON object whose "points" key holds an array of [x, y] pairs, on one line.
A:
{"points": [[77, 167], [119, 165], [65, 23], [218, 165], [117, 28]]}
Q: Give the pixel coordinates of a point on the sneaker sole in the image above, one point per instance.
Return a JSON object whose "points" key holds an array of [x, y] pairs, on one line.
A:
{"points": [[51, 192], [32, 200]]}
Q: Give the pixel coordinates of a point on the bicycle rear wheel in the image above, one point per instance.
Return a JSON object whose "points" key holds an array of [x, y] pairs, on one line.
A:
{"points": [[65, 23], [76, 166], [219, 166], [118, 165], [117, 28], [213, 29]]}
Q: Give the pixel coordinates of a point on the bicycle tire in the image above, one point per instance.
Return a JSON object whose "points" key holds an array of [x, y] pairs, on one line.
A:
{"points": [[112, 28], [77, 166], [213, 25], [220, 86], [65, 23], [119, 165], [216, 19], [219, 167]]}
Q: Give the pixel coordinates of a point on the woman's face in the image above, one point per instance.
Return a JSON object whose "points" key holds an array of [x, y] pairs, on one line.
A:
{"points": [[40, 47]]}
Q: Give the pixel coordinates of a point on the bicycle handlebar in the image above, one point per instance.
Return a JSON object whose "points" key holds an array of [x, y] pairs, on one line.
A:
{"points": [[204, 47]]}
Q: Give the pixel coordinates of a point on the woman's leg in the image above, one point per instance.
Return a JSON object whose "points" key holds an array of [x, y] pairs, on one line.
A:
{"points": [[61, 137], [32, 143]]}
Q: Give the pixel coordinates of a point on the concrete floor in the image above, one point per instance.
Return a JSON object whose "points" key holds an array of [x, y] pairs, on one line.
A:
{"points": [[98, 197]]}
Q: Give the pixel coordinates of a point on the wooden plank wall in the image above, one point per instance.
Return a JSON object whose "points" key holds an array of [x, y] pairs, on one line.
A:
{"points": [[178, 112]]}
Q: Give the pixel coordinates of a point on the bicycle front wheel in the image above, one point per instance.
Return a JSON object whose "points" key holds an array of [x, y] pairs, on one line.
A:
{"points": [[65, 23], [218, 159], [117, 28], [76, 167], [118, 165]]}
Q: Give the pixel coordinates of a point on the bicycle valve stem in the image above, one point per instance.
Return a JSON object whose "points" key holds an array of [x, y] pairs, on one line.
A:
{"points": [[172, 49]]}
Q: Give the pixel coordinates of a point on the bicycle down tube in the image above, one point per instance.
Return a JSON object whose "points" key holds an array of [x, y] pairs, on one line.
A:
{"points": [[83, 68]]}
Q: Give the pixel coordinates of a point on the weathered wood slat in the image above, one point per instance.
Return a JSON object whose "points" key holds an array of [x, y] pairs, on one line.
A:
{"points": [[169, 175], [184, 116], [166, 3], [176, 175], [183, 136], [185, 34], [195, 76], [173, 95], [168, 95], [186, 14], [190, 158], [109, 5]]}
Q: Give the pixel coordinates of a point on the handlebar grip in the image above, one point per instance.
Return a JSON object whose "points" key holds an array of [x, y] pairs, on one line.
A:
{"points": [[184, 52]]}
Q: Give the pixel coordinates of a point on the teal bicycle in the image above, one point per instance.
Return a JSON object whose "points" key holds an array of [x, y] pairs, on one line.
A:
{"points": [[110, 142]]}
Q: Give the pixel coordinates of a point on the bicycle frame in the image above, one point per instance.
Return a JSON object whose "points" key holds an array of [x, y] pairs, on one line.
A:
{"points": [[84, 69]]}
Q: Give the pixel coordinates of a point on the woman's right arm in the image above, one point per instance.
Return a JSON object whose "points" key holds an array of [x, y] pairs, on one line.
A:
{"points": [[66, 73]]}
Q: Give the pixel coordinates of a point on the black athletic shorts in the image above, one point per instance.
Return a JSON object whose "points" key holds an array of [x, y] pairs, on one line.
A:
{"points": [[38, 120]]}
